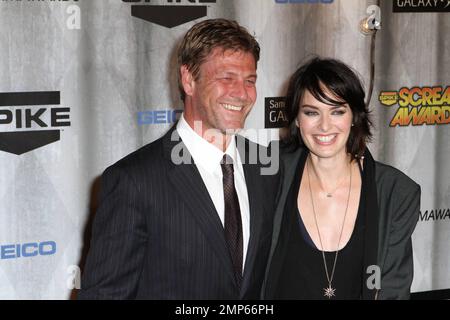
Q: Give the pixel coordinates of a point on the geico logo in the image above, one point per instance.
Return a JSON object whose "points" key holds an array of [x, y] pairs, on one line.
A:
{"points": [[26, 250], [158, 116], [24, 118], [304, 1], [173, 1]]}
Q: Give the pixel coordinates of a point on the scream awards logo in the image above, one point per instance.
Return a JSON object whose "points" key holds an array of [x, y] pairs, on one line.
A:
{"points": [[435, 214], [169, 15], [419, 106], [421, 5], [23, 125]]}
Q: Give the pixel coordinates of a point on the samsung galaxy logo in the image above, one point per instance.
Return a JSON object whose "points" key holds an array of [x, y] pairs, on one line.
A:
{"points": [[421, 5], [275, 113]]}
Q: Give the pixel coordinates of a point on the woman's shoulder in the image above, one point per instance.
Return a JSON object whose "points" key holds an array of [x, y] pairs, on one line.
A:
{"points": [[288, 149], [290, 155], [389, 175]]}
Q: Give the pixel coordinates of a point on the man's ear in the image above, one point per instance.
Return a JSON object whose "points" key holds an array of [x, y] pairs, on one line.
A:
{"points": [[187, 80]]}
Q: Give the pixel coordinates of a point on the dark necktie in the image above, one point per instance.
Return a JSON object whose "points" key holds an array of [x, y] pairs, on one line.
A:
{"points": [[233, 222]]}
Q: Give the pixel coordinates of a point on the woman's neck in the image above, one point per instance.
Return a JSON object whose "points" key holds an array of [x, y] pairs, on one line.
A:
{"points": [[330, 171]]}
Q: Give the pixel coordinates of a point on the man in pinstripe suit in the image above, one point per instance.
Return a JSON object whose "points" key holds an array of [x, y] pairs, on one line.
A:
{"points": [[159, 230]]}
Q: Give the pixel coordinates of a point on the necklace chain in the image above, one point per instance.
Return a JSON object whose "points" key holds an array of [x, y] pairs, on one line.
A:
{"points": [[330, 194], [329, 292]]}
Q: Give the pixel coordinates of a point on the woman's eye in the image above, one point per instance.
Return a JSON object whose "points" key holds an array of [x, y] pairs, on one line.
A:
{"points": [[339, 112]]}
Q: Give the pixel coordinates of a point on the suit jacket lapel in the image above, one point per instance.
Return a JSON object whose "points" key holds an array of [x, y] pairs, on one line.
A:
{"points": [[256, 208], [187, 180], [371, 244], [289, 162]]}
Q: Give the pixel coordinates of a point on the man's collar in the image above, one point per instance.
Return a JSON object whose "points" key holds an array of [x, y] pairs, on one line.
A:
{"points": [[204, 153]]}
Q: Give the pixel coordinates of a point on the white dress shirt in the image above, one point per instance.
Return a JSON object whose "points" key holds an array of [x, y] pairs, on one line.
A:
{"points": [[207, 158]]}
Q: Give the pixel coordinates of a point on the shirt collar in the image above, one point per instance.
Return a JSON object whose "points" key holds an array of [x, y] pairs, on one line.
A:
{"points": [[204, 153]]}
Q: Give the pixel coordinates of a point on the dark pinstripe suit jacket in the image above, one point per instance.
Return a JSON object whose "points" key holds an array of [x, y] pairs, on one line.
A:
{"points": [[157, 235]]}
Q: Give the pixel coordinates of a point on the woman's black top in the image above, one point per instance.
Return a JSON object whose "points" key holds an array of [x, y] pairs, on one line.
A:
{"points": [[303, 272]]}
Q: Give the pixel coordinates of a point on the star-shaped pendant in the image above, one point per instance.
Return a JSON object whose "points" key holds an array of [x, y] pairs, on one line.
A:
{"points": [[329, 292]]}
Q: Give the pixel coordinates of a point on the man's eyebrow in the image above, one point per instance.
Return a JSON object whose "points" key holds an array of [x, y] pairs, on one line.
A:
{"points": [[252, 75]]}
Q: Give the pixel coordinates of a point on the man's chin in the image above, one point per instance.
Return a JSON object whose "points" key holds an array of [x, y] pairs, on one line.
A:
{"points": [[231, 131]]}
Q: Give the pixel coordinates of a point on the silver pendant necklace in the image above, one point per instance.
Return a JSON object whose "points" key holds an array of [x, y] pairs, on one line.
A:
{"points": [[329, 291], [329, 194]]}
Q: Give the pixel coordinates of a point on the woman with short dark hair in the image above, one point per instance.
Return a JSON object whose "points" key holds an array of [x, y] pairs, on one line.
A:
{"points": [[344, 221]]}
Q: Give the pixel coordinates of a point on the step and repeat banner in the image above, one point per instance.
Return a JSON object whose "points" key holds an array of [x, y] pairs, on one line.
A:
{"points": [[85, 82]]}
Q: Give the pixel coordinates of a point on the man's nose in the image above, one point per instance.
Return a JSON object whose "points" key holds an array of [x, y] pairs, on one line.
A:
{"points": [[240, 90]]}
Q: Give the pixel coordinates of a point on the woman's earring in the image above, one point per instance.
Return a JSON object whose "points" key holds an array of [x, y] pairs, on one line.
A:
{"points": [[353, 124]]}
